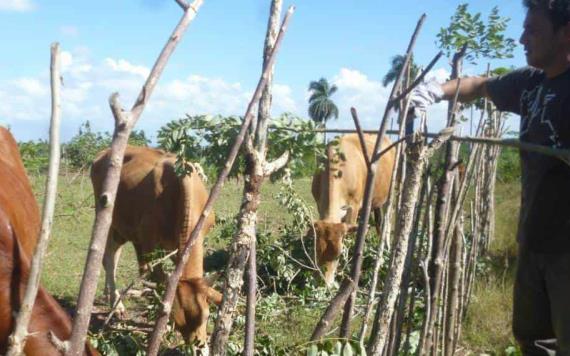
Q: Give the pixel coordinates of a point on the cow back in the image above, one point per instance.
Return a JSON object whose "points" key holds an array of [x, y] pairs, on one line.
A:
{"points": [[16, 196]]}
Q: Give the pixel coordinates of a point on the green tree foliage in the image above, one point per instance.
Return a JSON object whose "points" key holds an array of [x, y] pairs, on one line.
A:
{"points": [[84, 146], [207, 140], [485, 40], [321, 106]]}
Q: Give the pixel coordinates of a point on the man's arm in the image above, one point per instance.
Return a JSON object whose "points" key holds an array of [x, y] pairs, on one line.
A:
{"points": [[470, 88], [431, 92]]}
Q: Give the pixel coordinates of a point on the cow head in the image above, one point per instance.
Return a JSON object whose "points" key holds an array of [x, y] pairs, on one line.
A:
{"points": [[329, 243], [191, 309]]}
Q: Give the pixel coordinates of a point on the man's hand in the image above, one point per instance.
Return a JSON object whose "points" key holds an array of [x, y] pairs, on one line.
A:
{"points": [[424, 95]]}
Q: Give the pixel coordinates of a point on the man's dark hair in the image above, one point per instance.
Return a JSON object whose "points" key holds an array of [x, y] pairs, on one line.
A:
{"points": [[558, 10]]}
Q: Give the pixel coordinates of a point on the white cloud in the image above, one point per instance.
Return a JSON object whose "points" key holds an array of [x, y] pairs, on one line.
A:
{"points": [[69, 30], [367, 96], [17, 5], [88, 84], [283, 100], [31, 86], [66, 59], [124, 66], [440, 75]]}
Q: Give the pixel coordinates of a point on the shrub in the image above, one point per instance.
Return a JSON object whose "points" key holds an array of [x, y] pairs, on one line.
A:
{"points": [[84, 146], [35, 156], [508, 165], [207, 140]]}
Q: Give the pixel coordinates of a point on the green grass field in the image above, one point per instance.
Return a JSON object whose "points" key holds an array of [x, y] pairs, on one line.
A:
{"points": [[487, 325]]}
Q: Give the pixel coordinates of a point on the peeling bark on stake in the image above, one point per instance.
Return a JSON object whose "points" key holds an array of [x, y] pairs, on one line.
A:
{"points": [[124, 122], [453, 289], [408, 270], [417, 154], [17, 340], [367, 201], [385, 233], [175, 276], [438, 263], [240, 251]]}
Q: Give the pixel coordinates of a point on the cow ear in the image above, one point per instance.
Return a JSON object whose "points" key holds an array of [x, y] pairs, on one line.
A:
{"points": [[312, 229], [214, 296], [346, 209]]}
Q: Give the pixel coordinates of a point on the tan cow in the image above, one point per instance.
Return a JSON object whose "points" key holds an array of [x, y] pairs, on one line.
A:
{"points": [[157, 209], [339, 192], [19, 230]]}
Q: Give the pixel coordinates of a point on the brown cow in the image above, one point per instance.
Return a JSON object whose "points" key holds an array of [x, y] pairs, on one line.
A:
{"points": [[157, 209], [19, 228], [339, 192]]}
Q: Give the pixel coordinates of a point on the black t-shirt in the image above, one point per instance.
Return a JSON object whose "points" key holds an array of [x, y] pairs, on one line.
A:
{"points": [[544, 107]]}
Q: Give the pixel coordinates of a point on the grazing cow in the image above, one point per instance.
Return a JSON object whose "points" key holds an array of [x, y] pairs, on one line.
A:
{"points": [[339, 192], [154, 209], [19, 228]]}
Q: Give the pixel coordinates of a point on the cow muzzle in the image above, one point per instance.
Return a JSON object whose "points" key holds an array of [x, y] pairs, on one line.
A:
{"points": [[329, 271]]}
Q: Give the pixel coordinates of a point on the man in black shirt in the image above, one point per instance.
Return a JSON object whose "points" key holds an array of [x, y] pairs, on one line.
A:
{"points": [[540, 94]]}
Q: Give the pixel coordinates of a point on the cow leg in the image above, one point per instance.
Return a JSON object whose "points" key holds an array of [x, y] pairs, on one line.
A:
{"points": [[378, 221], [110, 263]]}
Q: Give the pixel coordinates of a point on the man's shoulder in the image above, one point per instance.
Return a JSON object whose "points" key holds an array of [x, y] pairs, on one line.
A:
{"points": [[506, 90], [523, 74]]}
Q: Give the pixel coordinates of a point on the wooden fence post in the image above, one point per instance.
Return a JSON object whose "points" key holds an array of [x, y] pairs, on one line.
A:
{"points": [[124, 123], [343, 296], [17, 340], [243, 246], [175, 276]]}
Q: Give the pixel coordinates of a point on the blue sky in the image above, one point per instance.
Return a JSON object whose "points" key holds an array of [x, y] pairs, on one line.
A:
{"points": [[110, 45]]}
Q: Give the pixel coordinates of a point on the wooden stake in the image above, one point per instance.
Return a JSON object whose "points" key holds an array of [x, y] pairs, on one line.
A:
{"points": [[17, 340], [124, 122], [418, 154], [365, 211], [175, 276]]}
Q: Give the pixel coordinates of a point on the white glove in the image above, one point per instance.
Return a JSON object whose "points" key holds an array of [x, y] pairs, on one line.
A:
{"points": [[424, 95]]}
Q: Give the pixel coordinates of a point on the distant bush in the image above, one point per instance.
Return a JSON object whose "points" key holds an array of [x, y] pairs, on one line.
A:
{"points": [[35, 156], [509, 166], [84, 146]]}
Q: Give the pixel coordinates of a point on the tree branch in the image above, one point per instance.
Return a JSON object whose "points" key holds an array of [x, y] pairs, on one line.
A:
{"points": [[272, 167], [183, 4]]}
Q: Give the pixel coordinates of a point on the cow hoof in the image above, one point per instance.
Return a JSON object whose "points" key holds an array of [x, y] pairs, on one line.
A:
{"points": [[121, 311], [202, 350]]}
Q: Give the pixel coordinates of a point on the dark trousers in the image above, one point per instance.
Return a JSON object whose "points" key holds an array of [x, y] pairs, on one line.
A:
{"points": [[541, 310]]}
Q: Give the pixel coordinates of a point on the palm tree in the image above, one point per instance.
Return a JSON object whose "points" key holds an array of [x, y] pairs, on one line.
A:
{"points": [[393, 72], [321, 107], [396, 67]]}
